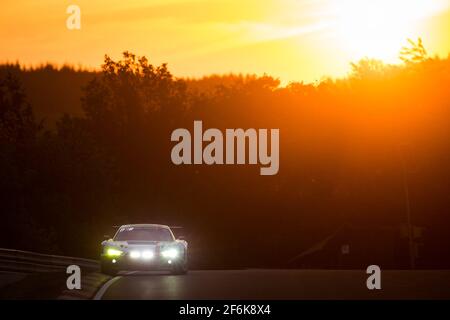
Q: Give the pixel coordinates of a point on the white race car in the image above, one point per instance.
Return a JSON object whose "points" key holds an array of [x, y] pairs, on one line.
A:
{"points": [[144, 247]]}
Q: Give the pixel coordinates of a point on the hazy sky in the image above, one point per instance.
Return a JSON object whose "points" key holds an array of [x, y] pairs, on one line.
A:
{"points": [[290, 39]]}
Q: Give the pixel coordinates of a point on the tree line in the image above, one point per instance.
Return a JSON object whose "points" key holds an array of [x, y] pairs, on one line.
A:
{"points": [[100, 156]]}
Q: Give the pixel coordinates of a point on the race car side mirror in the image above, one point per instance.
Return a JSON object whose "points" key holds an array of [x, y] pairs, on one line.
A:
{"points": [[106, 237], [182, 238]]}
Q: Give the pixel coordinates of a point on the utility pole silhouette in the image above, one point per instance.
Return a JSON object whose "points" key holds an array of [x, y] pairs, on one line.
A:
{"points": [[412, 254]]}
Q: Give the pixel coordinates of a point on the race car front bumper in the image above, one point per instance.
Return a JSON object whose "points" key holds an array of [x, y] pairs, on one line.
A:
{"points": [[127, 263]]}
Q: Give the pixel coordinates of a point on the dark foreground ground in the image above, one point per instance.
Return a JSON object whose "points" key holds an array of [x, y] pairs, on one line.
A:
{"points": [[233, 284], [278, 284]]}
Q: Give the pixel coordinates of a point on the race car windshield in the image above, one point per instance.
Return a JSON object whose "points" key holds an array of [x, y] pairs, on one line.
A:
{"points": [[143, 234]]}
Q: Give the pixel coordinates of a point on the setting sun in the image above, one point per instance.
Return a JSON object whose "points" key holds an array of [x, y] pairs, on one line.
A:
{"points": [[294, 40], [379, 28]]}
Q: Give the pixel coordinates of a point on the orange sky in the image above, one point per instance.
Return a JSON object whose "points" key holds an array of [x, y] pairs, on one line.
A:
{"points": [[289, 39]]}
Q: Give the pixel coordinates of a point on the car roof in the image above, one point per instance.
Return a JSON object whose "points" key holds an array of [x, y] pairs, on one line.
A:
{"points": [[144, 225]]}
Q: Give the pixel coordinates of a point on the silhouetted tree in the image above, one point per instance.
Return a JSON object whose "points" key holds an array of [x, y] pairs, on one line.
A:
{"points": [[413, 53], [18, 151], [108, 161]]}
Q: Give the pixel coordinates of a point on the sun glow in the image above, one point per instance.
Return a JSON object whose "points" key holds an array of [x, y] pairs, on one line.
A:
{"points": [[293, 40], [379, 28]]}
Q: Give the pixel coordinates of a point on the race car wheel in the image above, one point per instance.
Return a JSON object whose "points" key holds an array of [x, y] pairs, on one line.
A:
{"points": [[108, 270], [180, 268]]}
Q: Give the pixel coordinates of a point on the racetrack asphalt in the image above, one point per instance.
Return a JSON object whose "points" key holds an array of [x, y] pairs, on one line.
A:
{"points": [[277, 285]]}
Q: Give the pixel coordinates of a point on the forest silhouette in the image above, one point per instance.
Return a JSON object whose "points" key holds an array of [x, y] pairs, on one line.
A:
{"points": [[82, 151]]}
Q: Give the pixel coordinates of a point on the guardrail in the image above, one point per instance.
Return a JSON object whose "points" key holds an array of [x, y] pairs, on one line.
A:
{"points": [[26, 261]]}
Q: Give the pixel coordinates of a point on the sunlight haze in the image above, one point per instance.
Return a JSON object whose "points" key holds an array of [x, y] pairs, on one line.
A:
{"points": [[290, 39]]}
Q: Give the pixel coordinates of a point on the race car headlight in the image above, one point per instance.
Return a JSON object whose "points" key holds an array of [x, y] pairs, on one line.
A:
{"points": [[147, 254], [171, 253], [135, 254], [111, 252]]}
